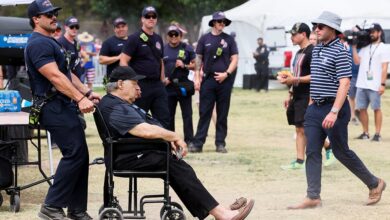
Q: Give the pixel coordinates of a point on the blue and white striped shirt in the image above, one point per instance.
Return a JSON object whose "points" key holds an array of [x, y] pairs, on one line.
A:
{"points": [[330, 62]]}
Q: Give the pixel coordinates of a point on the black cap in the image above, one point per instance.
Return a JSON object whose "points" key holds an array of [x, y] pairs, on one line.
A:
{"points": [[118, 21], [72, 21], [219, 15], [124, 73], [149, 9], [174, 28], [300, 28], [376, 27], [40, 7], [59, 27]]}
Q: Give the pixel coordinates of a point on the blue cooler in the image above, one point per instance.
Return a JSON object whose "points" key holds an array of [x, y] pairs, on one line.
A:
{"points": [[10, 101]]}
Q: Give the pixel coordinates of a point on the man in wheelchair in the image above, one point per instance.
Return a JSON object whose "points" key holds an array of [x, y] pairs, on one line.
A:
{"points": [[127, 120]]}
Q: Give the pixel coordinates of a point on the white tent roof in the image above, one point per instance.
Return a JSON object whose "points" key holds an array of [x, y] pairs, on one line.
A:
{"points": [[250, 20], [14, 2]]}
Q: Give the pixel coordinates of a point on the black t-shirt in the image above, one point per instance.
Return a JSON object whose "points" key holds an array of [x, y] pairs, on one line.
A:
{"points": [[112, 47], [301, 67], [143, 60], [74, 50], [41, 50], [207, 47]]}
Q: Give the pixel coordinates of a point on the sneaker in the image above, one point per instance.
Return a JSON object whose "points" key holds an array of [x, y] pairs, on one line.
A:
{"points": [[329, 158], [49, 213], [293, 166], [76, 215], [363, 136], [355, 121], [377, 137]]}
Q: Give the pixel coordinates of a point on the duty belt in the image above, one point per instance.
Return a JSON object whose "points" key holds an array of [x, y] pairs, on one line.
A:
{"points": [[324, 101]]}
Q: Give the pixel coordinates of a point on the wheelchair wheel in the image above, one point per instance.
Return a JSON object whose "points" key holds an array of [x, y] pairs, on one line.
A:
{"points": [[111, 214], [174, 205], [174, 214], [116, 206], [14, 201], [1, 199]]}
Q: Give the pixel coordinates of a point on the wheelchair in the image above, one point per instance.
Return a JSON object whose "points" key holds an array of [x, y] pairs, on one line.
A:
{"points": [[111, 208]]}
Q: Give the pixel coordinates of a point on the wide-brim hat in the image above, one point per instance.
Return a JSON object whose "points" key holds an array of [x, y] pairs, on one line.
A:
{"points": [[85, 37], [329, 19], [219, 15]]}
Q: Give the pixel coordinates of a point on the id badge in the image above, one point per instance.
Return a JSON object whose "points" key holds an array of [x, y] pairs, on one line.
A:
{"points": [[370, 75]]}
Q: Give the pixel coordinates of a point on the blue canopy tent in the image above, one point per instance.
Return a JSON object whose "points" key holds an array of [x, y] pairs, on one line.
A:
{"points": [[14, 33]]}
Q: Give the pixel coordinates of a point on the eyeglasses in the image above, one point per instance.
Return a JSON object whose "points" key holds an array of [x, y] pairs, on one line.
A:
{"points": [[50, 14], [221, 21], [173, 34], [74, 26], [320, 26], [150, 16]]}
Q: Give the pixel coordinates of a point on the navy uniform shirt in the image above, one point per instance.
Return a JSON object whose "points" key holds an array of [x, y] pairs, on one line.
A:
{"points": [[330, 62], [171, 54], [112, 47], [74, 51], [143, 60], [41, 50], [207, 47]]}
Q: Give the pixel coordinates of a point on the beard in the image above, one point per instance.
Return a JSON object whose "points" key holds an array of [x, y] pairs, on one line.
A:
{"points": [[374, 38]]}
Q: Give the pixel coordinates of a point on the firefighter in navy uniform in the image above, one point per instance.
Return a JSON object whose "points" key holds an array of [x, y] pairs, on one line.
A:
{"points": [[218, 54], [178, 59], [64, 95], [143, 52]]}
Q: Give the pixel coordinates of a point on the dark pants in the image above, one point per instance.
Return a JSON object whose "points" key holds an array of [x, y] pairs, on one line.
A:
{"points": [[261, 77], [70, 187], [186, 112], [212, 92], [338, 137], [182, 179], [154, 98]]}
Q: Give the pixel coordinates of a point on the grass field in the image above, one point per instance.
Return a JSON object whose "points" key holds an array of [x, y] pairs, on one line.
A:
{"points": [[259, 142]]}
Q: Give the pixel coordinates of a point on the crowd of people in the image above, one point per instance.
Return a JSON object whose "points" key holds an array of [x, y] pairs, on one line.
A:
{"points": [[145, 75]]}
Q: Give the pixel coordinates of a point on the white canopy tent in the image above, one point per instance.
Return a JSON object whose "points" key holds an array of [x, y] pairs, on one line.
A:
{"points": [[251, 19]]}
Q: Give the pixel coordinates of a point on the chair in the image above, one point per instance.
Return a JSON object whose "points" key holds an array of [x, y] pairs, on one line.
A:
{"points": [[111, 208]]}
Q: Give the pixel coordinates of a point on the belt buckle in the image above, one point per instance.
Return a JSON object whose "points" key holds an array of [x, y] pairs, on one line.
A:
{"points": [[319, 102]]}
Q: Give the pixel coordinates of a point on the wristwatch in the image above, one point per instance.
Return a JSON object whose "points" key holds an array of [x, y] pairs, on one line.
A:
{"points": [[334, 110]]}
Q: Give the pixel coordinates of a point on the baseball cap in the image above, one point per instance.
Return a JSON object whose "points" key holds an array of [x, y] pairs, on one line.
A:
{"points": [[40, 7], [174, 28], [375, 27], [300, 28], [124, 73], [149, 9], [72, 21], [118, 21]]}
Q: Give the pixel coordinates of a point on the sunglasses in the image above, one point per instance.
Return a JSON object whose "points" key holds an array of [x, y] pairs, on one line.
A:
{"points": [[173, 34], [150, 16], [221, 21], [50, 14], [320, 26], [74, 26]]}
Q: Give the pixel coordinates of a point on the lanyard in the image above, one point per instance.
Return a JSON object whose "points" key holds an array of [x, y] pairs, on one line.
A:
{"points": [[371, 55]]}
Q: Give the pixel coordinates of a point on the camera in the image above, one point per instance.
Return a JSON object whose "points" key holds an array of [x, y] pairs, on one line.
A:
{"points": [[360, 37]]}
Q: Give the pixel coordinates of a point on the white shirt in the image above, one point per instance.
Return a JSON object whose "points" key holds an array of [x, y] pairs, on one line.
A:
{"points": [[379, 53]]}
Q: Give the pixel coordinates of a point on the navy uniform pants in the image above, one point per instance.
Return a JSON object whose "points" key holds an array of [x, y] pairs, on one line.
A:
{"points": [[154, 98], [182, 179], [213, 92], [338, 137], [186, 112], [70, 187]]}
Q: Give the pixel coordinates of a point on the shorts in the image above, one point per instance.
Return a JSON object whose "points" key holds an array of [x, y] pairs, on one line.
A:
{"points": [[367, 96], [296, 111], [352, 88], [90, 75]]}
